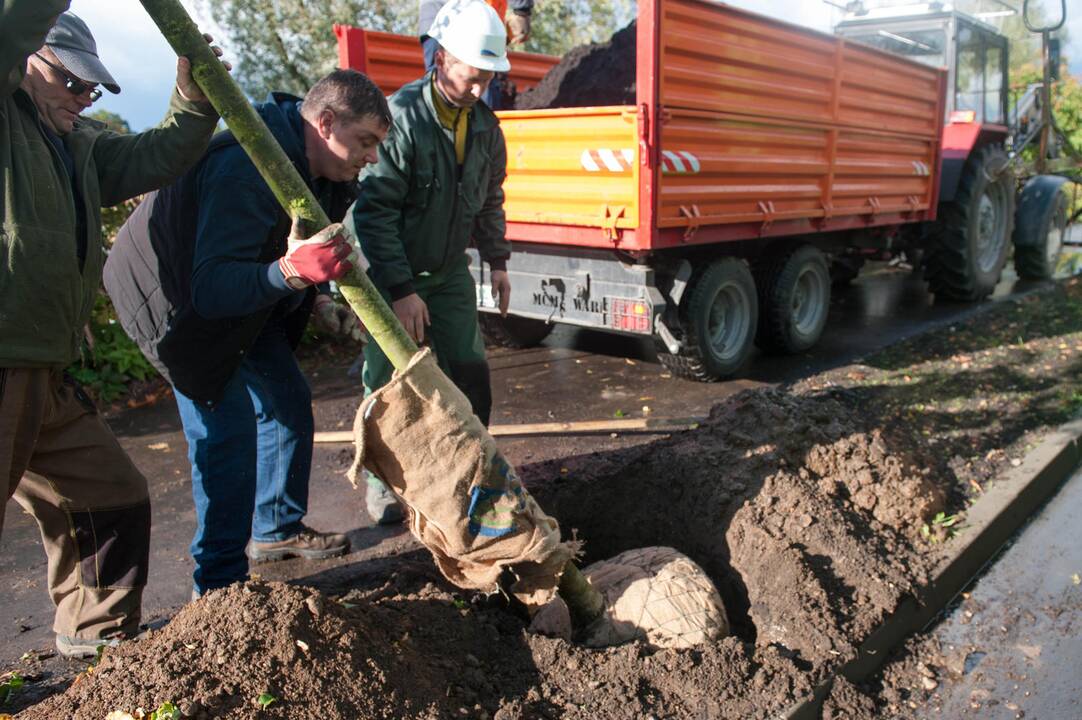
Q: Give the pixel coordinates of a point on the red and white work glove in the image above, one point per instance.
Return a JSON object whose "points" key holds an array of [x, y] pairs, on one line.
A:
{"points": [[336, 319], [326, 256]]}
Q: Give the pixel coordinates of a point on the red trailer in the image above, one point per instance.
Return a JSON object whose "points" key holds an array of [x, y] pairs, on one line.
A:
{"points": [[758, 156]]}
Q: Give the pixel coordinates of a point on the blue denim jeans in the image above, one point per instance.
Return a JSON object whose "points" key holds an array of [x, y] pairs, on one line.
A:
{"points": [[251, 456]]}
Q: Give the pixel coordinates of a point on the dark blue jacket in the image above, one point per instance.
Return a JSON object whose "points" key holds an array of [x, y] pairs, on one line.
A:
{"points": [[193, 273]]}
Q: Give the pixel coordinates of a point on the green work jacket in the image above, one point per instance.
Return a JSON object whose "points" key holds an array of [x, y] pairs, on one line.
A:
{"points": [[45, 297], [417, 211]]}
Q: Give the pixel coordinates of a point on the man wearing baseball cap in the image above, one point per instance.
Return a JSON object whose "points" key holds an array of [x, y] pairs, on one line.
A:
{"points": [[58, 458]]}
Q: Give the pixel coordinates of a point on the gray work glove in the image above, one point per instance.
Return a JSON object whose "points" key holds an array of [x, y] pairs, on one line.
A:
{"points": [[336, 319]]}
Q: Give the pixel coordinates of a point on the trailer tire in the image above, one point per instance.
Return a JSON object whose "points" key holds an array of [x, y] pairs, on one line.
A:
{"points": [[1040, 227], [513, 331], [718, 317], [794, 300], [971, 242]]}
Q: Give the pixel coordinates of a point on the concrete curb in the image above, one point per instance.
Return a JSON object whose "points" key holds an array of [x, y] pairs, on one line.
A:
{"points": [[991, 522]]}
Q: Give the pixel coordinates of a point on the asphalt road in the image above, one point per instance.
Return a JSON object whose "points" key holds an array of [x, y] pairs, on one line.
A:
{"points": [[575, 375], [1012, 646]]}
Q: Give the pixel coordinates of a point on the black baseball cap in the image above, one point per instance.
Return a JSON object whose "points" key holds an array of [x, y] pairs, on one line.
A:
{"points": [[74, 46]]}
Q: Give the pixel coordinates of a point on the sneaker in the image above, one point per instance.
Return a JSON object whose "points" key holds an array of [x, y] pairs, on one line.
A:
{"points": [[383, 507], [83, 648], [307, 544]]}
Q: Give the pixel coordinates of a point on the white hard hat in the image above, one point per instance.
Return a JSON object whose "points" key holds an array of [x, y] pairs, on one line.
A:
{"points": [[474, 33]]}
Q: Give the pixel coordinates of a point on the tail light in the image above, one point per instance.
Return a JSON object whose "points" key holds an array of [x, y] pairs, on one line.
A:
{"points": [[630, 315]]}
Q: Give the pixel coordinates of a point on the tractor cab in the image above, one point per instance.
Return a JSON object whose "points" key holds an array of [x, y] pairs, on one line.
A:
{"points": [[973, 52]]}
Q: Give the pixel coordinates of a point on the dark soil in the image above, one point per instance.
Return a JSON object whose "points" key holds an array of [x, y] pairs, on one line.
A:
{"points": [[811, 532], [777, 498], [811, 508], [587, 76]]}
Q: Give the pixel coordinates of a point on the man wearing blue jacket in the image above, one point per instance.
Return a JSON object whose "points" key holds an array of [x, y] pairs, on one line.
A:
{"points": [[208, 279]]}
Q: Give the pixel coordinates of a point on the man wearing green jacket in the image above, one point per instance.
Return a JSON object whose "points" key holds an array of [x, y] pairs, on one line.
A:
{"points": [[57, 170], [437, 186]]}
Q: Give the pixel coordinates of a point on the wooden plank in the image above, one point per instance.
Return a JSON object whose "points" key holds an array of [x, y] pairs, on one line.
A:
{"points": [[582, 427]]}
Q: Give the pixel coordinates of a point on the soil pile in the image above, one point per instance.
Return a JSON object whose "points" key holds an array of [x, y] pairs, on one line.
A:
{"points": [[388, 653], [806, 522], [588, 75]]}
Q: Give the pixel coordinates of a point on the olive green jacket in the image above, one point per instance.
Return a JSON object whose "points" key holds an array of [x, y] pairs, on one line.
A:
{"points": [[45, 298], [414, 213]]}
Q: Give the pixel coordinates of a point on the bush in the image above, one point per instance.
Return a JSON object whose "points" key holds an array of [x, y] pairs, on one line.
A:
{"points": [[106, 369]]}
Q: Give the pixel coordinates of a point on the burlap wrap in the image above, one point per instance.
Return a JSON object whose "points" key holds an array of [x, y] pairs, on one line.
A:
{"points": [[656, 594], [464, 501]]}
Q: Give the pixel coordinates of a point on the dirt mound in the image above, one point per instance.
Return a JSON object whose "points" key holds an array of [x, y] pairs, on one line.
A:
{"points": [[846, 702], [588, 75], [426, 654], [772, 496], [218, 655], [769, 497]]}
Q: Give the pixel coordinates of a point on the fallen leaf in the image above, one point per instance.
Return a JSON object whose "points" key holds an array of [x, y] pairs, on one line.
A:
{"points": [[158, 446]]}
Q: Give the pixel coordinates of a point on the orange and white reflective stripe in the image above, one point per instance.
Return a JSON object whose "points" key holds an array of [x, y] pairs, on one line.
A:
{"points": [[606, 160], [921, 168], [679, 163]]}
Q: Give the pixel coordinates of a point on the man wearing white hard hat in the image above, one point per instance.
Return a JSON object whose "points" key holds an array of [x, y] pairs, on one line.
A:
{"points": [[516, 14], [436, 188]]}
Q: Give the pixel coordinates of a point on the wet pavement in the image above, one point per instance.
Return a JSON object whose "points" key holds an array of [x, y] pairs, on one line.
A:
{"points": [[1016, 640], [575, 375]]}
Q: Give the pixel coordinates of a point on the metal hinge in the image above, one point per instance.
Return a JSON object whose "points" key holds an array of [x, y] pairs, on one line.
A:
{"points": [[694, 217], [609, 217]]}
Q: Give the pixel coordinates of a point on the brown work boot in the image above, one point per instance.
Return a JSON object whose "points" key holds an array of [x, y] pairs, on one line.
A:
{"points": [[308, 544]]}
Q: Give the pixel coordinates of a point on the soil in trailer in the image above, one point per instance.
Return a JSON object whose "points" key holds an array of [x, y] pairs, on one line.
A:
{"points": [[587, 76]]}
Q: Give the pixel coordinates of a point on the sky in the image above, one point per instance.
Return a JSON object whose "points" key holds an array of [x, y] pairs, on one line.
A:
{"points": [[145, 67]]}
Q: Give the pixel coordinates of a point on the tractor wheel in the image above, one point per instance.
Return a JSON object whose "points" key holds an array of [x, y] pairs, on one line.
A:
{"points": [[718, 317], [794, 299], [513, 331], [970, 245], [1040, 227]]}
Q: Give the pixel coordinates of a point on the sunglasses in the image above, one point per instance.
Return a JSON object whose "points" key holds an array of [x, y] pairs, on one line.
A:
{"points": [[73, 84]]}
